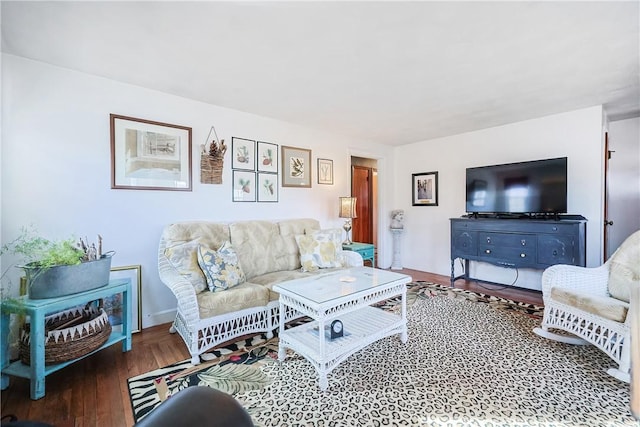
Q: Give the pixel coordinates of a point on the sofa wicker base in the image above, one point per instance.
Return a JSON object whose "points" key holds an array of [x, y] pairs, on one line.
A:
{"points": [[213, 331]]}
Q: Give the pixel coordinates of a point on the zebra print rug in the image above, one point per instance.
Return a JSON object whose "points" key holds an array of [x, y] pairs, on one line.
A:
{"points": [[471, 360]]}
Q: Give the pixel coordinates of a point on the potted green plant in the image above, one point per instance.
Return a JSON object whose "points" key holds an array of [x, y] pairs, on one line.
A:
{"points": [[58, 268]]}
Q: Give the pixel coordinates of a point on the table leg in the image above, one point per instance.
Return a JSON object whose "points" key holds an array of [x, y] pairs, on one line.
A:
{"points": [[281, 349], [37, 354], [4, 348], [322, 370], [126, 322], [452, 271], [404, 336], [323, 381]]}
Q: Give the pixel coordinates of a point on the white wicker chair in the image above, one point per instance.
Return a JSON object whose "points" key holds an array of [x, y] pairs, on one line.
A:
{"points": [[635, 353], [584, 286]]}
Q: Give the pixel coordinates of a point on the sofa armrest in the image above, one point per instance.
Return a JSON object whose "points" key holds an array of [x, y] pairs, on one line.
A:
{"points": [[592, 281], [352, 259], [181, 288]]}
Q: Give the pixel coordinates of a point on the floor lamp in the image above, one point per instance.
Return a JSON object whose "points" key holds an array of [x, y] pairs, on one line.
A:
{"points": [[347, 210]]}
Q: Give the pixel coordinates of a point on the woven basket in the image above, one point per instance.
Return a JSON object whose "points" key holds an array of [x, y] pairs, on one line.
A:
{"points": [[210, 169], [84, 329]]}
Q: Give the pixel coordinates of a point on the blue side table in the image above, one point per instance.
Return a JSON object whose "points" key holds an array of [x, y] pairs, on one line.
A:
{"points": [[366, 250], [37, 309]]}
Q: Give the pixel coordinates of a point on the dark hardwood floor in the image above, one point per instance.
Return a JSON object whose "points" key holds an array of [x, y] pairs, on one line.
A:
{"points": [[93, 391], [518, 294]]}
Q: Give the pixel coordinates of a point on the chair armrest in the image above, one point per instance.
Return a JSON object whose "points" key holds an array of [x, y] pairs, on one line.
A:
{"points": [[352, 259], [592, 281]]}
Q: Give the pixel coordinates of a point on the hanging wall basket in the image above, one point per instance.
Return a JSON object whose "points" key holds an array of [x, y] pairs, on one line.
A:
{"points": [[211, 169], [212, 159]]}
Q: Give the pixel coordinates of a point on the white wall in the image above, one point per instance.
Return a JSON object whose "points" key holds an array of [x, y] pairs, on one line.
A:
{"points": [[56, 172], [624, 180], [56, 168], [576, 135]]}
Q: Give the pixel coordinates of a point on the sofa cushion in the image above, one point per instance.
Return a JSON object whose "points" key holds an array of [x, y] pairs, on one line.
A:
{"points": [[183, 257], [624, 271], [245, 295], [320, 249], [221, 268], [265, 246], [269, 280], [211, 234], [609, 308], [277, 277]]}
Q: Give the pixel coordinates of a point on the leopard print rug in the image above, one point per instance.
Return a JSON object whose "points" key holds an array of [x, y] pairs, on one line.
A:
{"points": [[465, 364]]}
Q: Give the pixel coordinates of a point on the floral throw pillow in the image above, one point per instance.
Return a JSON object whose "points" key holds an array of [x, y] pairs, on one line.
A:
{"points": [[221, 268], [320, 249]]}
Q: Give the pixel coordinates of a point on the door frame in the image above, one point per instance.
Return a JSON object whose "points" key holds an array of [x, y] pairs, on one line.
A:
{"points": [[606, 223], [384, 181]]}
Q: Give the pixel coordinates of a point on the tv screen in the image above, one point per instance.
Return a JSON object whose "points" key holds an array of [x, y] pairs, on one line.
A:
{"points": [[536, 187]]}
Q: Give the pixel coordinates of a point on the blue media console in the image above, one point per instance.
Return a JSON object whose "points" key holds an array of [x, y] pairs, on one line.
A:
{"points": [[517, 243]]}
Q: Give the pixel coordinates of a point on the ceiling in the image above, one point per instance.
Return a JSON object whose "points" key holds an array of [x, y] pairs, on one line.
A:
{"points": [[387, 72]]}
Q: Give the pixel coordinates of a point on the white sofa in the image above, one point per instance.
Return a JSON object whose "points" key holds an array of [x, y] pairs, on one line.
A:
{"points": [[268, 254]]}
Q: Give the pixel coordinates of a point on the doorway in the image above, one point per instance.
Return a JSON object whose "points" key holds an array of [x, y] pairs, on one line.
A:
{"points": [[622, 183], [364, 186]]}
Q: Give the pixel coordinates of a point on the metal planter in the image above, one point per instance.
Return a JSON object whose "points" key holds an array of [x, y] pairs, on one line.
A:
{"points": [[68, 279]]}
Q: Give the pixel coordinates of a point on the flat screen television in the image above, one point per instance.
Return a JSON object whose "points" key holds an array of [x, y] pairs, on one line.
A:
{"points": [[535, 187]]}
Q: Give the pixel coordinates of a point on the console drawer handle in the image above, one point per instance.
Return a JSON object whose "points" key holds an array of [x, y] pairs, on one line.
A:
{"points": [[524, 242], [487, 251], [555, 252], [488, 239], [523, 255]]}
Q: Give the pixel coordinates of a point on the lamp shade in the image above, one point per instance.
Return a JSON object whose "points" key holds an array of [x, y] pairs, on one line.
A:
{"points": [[348, 207]]}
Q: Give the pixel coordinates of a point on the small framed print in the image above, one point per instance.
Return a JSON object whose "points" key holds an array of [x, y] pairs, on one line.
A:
{"points": [[267, 187], [113, 304], [425, 189], [267, 157], [244, 186], [325, 171], [243, 154], [296, 167]]}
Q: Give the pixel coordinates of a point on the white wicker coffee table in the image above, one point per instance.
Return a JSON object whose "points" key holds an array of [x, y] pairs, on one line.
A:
{"points": [[346, 295]]}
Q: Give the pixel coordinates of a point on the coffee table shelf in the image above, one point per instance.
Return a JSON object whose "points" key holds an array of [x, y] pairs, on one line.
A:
{"points": [[361, 328], [347, 296]]}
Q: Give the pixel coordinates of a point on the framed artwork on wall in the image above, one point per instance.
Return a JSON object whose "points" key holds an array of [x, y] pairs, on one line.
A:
{"points": [[243, 154], [244, 186], [267, 187], [148, 155], [325, 171], [296, 167], [425, 188], [267, 157], [113, 305]]}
